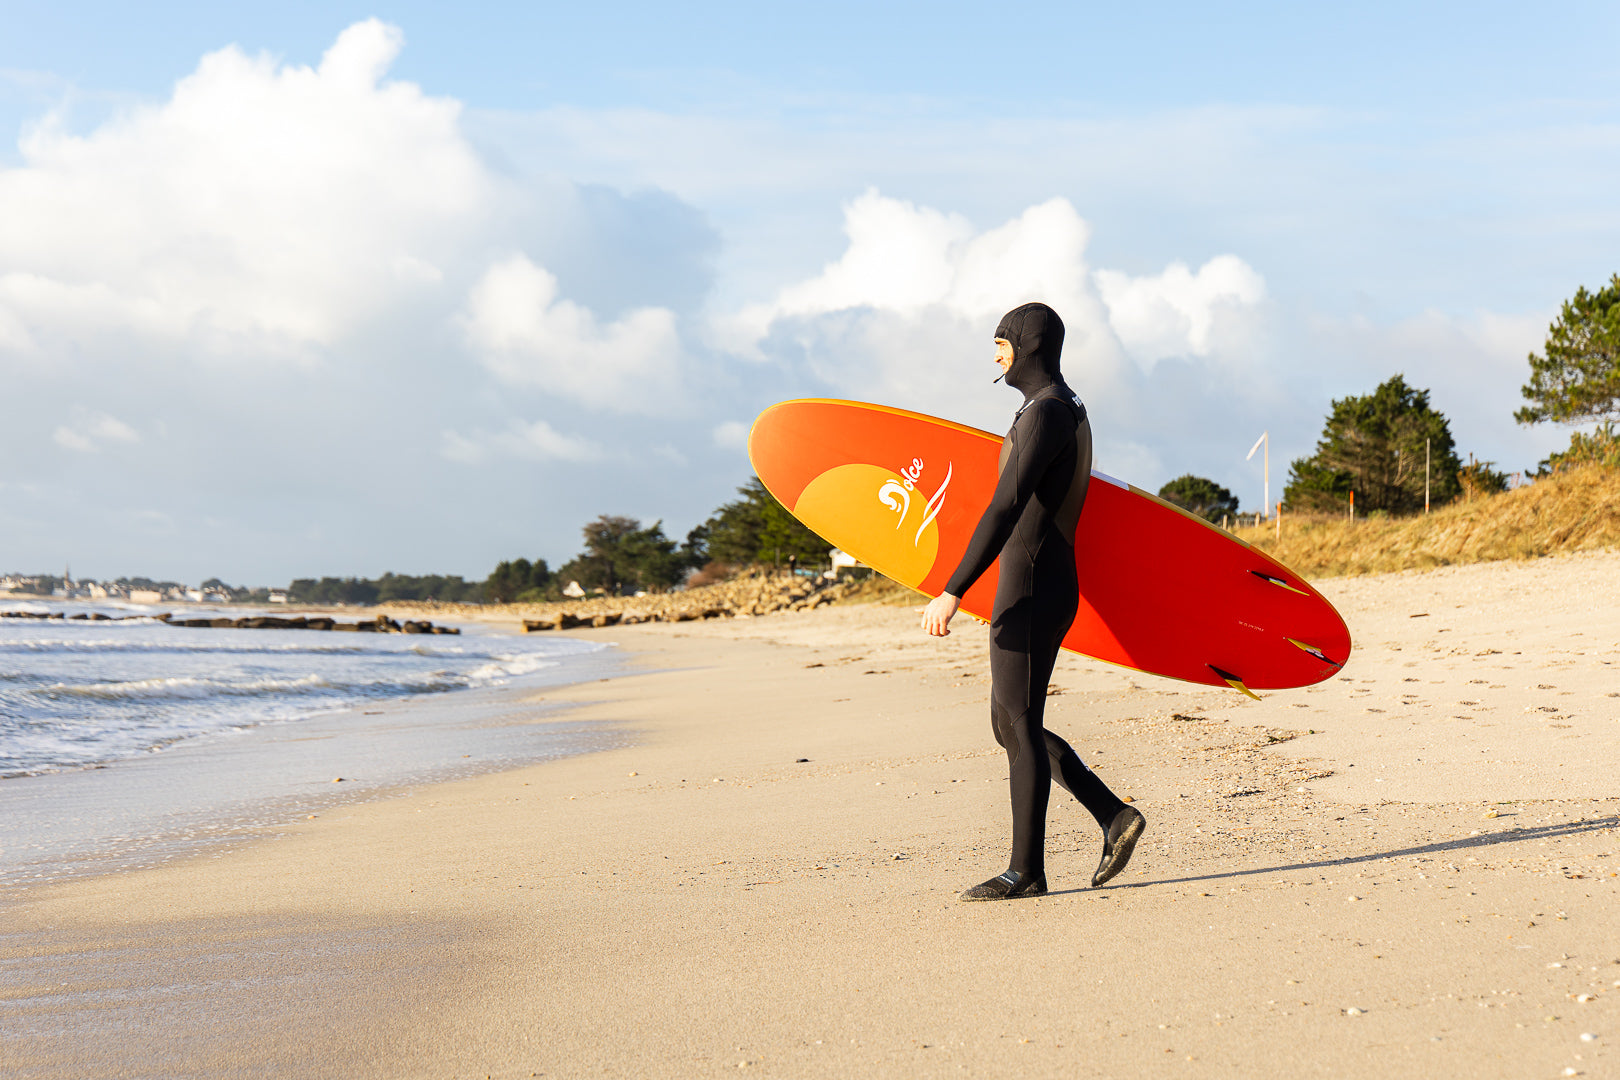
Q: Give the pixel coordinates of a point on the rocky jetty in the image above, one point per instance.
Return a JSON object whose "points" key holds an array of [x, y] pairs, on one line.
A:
{"points": [[382, 624], [744, 596]]}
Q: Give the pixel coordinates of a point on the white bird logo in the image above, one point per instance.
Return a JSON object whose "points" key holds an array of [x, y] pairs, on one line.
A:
{"points": [[894, 495]]}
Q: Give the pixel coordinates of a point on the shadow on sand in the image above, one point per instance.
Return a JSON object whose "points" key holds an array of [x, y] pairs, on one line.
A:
{"points": [[1513, 835]]}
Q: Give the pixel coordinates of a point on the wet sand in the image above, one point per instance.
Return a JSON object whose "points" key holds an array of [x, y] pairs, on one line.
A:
{"points": [[1407, 871]]}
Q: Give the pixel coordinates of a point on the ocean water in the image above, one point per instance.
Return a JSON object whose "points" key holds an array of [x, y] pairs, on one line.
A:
{"points": [[126, 744], [80, 693]]}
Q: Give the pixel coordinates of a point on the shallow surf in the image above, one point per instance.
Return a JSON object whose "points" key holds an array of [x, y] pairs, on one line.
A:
{"points": [[134, 742]]}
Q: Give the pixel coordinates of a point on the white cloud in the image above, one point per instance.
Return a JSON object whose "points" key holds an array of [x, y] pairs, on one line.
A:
{"points": [[537, 441], [907, 259], [263, 207], [907, 312], [527, 335], [90, 431], [731, 435], [1174, 313]]}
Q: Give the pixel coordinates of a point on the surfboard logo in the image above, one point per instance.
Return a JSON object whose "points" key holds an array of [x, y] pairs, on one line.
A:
{"points": [[896, 497]]}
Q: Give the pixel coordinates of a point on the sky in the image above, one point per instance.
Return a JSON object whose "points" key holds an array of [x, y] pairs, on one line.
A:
{"points": [[304, 289]]}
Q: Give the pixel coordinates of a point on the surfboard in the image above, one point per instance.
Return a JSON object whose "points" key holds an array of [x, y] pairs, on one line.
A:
{"points": [[1162, 591]]}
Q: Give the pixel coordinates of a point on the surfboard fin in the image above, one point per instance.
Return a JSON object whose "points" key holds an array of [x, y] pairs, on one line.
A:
{"points": [[1314, 651], [1234, 682], [1263, 576]]}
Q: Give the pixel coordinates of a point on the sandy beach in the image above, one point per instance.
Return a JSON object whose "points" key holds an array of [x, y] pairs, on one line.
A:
{"points": [[1408, 871]]}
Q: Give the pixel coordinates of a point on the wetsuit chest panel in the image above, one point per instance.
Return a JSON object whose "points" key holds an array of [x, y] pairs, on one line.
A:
{"points": [[1044, 466]]}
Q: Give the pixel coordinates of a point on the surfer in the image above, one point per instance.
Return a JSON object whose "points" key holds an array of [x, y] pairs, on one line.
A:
{"points": [[1030, 523]]}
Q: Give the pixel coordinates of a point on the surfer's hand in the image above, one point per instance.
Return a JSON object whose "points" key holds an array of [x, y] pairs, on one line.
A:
{"points": [[937, 615]]}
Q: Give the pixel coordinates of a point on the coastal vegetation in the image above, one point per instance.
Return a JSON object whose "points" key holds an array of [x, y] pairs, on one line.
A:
{"points": [[624, 556], [1574, 509], [1578, 380], [1200, 496], [389, 587], [1391, 448], [757, 529]]}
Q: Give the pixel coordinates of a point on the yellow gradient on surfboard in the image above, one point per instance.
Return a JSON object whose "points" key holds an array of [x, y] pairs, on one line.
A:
{"points": [[870, 508]]}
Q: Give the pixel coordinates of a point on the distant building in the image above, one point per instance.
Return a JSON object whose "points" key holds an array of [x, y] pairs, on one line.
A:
{"points": [[145, 596], [574, 590], [278, 596], [841, 560]]}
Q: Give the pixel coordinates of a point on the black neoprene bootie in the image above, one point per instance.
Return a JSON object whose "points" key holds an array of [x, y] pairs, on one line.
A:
{"points": [[1118, 843], [1008, 886]]}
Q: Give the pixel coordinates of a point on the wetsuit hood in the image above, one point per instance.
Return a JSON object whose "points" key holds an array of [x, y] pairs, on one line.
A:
{"points": [[1036, 334]]}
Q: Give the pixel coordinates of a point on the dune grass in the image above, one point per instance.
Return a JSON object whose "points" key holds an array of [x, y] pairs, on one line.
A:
{"points": [[1574, 510]]}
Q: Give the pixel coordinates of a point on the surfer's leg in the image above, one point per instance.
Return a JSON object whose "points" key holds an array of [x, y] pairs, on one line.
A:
{"points": [[1079, 781], [1017, 711], [1031, 779], [1026, 761]]}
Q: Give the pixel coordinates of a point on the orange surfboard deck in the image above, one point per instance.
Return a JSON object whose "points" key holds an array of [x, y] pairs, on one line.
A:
{"points": [[1162, 591]]}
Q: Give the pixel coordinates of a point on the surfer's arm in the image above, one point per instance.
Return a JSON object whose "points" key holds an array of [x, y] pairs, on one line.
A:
{"points": [[1037, 439]]}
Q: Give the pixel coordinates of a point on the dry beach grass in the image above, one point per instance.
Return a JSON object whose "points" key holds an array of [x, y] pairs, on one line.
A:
{"points": [[1575, 510]]}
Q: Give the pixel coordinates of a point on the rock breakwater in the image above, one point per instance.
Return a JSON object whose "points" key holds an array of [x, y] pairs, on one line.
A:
{"points": [[382, 624], [742, 597]]}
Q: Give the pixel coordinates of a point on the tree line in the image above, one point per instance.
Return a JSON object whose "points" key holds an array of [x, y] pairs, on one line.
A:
{"points": [[620, 555], [623, 555], [389, 587]]}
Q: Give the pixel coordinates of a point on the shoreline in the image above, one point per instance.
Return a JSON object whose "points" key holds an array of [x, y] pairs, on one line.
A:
{"points": [[216, 789], [1309, 898]]}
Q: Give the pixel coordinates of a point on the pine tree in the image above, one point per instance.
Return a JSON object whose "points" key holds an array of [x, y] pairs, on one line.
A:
{"points": [[1579, 378], [1374, 445]]}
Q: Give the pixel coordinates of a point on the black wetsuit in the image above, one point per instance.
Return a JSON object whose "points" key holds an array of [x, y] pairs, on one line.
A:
{"points": [[1030, 523]]}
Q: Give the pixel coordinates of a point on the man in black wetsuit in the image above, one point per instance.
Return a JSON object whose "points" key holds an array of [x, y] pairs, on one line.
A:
{"points": [[1030, 523]]}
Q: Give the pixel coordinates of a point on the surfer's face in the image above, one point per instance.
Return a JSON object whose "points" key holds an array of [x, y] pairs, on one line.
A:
{"points": [[1004, 354]]}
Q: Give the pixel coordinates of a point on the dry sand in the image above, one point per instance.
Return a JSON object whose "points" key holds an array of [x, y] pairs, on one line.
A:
{"points": [[1406, 872]]}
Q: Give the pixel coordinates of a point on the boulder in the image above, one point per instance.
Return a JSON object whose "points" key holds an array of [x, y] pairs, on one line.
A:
{"points": [[531, 626]]}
